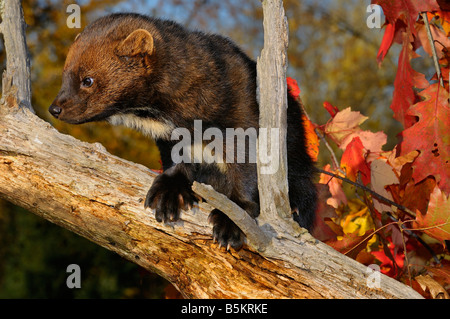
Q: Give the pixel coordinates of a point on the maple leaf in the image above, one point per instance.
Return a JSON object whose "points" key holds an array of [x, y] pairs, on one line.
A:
{"points": [[353, 160], [344, 126], [386, 43], [406, 10], [400, 18], [438, 35], [382, 174], [416, 196], [335, 186], [391, 263], [436, 222], [430, 136], [397, 163], [351, 244], [406, 80]]}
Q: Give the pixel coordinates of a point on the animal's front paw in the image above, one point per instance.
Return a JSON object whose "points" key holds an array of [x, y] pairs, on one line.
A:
{"points": [[225, 231], [168, 195]]}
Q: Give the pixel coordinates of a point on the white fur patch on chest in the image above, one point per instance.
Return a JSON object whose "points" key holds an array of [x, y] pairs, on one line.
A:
{"points": [[150, 127]]}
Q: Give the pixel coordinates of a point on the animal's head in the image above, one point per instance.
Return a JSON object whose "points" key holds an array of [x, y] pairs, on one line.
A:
{"points": [[105, 66]]}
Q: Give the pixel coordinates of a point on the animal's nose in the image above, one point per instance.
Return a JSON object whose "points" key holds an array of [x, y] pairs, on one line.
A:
{"points": [[54, 110]]}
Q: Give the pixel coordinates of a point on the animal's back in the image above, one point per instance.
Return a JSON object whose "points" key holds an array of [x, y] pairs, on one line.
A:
{"points": [[156, 76]]}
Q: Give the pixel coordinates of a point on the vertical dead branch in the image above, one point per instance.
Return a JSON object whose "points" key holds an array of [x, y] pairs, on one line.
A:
{"points": [[17, 72], [271, 68]]}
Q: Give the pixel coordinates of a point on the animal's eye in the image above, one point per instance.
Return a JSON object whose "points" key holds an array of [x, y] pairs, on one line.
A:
{"points": [[87, 82]]}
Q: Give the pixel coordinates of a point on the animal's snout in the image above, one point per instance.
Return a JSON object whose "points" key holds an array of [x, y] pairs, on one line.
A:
{"points": [[55, 110]]}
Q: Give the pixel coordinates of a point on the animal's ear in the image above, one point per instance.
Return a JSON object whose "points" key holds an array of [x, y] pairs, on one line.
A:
{"points": [[137, 42]]}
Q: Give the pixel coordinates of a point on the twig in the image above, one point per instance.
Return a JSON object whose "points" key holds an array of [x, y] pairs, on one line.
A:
{"points": [[410, 232], [333, 156], [433, 48], [255, 236], [374, 194], [319, 135]]}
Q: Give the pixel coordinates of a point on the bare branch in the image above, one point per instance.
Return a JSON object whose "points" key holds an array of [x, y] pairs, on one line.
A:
{"points": [[255, 236], [272, 89], [433, 48], [17, 58], [374, 194]]}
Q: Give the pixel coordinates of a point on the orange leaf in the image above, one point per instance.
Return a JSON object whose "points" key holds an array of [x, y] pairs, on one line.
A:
{"points": [[351, 244], [335, 186], [436, 290], [436, 222], [430, 136]]}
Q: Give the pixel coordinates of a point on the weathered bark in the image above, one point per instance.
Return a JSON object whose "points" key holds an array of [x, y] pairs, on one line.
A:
{"points": [[271, 80], [17, 72], [83, 188]]}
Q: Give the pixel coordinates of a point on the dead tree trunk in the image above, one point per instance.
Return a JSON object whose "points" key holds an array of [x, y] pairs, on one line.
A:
{"points": [[17, 73], [83, 188], [271, 79]]}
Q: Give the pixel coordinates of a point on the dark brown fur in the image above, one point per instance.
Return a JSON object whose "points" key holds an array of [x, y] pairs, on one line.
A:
{"points": [[155, 75]]}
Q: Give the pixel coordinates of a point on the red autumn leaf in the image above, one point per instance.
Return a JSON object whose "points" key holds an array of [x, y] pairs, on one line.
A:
{"points": [[351, 244], [430, 136], [405, 81], [436, 222], [353, 160], [386, 43], [391, 263], [401, 17], [439, 36], [293, 88], [406, 10]]}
